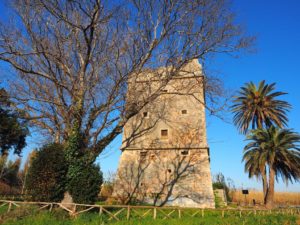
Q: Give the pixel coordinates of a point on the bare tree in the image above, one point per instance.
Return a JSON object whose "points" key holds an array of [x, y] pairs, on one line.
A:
{"points": [[73, 59]]}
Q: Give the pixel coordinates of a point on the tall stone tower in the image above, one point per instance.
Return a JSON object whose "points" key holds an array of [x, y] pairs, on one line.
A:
{"points": [[165, 156]]}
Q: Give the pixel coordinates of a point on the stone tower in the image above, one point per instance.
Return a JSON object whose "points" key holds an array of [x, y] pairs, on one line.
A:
{"points": [[165, 156]]}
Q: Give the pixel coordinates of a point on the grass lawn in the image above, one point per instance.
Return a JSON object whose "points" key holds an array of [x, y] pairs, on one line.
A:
{"points": [[30, 216]]}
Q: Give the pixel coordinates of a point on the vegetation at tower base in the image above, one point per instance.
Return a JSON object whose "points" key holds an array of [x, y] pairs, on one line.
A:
{"points": [[83, 177], [13, 130], [279, 150], [46, 176], [258, 107], [220, 183]]}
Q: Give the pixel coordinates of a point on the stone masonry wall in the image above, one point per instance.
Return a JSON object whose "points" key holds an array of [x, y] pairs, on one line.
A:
{"points": [[165, 158]]}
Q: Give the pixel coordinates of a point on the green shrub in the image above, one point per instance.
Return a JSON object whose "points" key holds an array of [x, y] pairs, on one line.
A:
{"points": [[83, 178], [46, 176], [84, 187]]}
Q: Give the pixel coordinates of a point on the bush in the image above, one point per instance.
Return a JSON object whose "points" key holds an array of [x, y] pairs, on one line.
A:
{"points": [[106, 191], [85, 185], [83, 178], [47, 174]]}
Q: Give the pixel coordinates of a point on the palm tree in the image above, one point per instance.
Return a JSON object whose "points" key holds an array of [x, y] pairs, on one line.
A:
{"points": [[258, 107], [279, 150]]}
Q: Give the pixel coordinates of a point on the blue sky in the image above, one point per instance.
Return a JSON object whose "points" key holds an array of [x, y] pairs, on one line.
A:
{"points": [[277, 27]]}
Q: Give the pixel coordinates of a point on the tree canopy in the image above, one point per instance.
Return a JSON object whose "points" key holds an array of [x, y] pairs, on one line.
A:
{"points": [[72, 60], [276, 148], [259, 107]]}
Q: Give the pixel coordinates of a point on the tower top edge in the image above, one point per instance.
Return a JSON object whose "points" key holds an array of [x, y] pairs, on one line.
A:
{"points": [[192, 69]]}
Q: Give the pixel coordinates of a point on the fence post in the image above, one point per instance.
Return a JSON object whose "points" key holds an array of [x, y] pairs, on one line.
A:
{"points": [[223, 213], [202, 212], [51, 205], [240, 213], [154, 213], [74, 209], [128, 212], [100, 210], [9, 207], [179, 213]]}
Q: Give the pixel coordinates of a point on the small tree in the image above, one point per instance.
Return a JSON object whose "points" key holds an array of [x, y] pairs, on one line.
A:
{"points": [[9, 180], [13, 130], [47, 174]]}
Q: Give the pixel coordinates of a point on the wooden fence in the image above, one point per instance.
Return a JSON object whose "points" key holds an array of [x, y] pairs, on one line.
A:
{"points": [[113, 212]]}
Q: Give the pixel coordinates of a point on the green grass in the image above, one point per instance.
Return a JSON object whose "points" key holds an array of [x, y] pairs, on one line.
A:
{"points": [[30, 216]]}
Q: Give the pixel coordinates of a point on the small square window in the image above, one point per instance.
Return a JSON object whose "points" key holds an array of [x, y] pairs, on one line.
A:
{"points": [[152, 157], [184, 111], [145, 114], [191, 169], [169, 170], [164, 134], [184, 152], [143, 155], [164, 91]]}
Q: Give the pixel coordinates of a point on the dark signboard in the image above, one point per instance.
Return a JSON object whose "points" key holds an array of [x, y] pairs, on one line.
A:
{"points": [[245, 192]]}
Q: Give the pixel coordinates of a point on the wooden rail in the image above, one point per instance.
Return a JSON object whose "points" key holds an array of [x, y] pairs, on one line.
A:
{"points": [[113, 212]]}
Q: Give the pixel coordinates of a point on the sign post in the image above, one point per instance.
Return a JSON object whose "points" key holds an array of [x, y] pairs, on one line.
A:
{"points": [[245, 193]]}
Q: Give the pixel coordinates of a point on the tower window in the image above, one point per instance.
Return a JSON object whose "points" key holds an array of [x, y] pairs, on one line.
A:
{"points": [[143, 155], [191, 169], [169, 170], [145, 114], [184, 152], [164, 91], [152, 157], [184, 111], [164, 134]]}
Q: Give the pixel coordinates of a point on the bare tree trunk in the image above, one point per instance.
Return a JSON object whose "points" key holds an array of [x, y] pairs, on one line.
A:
{"points": [[270, 192]]}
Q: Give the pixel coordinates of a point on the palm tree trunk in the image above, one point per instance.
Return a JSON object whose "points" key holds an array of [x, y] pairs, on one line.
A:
{"points": [[264, 182], [270, 192], [264, 176]]}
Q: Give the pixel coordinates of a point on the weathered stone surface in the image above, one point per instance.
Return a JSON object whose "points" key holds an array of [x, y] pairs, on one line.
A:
{"points": [[165, 157]]}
